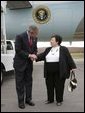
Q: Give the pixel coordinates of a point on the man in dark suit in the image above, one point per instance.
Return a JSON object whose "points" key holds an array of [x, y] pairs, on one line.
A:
{"points": [[25, 48]]}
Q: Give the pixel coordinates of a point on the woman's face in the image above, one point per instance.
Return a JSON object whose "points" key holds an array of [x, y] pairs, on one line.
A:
{"points": [[53, 42]]}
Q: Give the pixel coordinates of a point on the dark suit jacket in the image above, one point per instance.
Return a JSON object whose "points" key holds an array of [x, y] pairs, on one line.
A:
{"points": [[66, 62], [23, 49]]}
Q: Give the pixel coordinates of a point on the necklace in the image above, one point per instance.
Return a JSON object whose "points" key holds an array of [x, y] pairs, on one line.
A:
{"points": [[53, 52]]}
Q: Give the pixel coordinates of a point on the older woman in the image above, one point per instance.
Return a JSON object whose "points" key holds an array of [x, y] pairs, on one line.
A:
{"points": [[57, 66]]}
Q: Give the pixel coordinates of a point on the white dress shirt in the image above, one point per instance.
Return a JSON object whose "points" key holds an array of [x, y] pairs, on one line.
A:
{"points": [[53, 55]]}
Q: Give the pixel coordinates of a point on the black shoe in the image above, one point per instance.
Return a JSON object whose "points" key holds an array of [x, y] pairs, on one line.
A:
{"points": [[30, 103], [49, 102], [22, 106]]}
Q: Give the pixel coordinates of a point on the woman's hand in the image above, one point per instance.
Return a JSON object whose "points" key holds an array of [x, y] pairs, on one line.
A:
{"points": [[72, 70], [32, 57]]}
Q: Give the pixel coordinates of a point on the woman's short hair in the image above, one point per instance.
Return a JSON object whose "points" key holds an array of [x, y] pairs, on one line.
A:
{"points": [[58, 38]]}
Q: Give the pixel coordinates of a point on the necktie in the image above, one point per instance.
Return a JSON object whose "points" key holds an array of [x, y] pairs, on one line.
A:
{"points": [[30, 41]]}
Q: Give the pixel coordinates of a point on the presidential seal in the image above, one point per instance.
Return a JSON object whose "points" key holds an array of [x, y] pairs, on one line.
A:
{"points": [[41, 14]]}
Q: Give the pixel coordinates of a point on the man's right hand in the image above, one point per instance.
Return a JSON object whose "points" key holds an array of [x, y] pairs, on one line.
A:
{"points": [[32, 57]]}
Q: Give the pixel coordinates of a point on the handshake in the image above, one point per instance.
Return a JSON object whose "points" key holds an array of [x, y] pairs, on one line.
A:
{"points": [[33, 57]]}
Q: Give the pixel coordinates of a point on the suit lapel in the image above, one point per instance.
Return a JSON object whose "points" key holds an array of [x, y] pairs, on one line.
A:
{"points": [[60, 58], [48, 50], [26, 39]]}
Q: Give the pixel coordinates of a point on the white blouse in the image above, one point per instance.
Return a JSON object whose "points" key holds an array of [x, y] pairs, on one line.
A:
{"points": [[53, 55]]}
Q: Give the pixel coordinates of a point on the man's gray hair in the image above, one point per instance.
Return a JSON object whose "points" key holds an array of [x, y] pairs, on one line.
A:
{"points": [[32, 27]]}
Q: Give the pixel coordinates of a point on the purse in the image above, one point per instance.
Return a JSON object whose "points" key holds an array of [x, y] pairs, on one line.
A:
{"points": [[72, 83]]}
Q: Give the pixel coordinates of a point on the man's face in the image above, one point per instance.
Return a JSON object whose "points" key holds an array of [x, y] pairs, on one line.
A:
{"points": [[33, 33]]}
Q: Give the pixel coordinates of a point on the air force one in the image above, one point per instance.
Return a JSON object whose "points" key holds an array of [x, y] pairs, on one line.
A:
{"points": [[63, 18]]}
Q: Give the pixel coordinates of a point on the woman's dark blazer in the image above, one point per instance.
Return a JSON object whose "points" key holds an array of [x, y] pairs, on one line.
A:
{"points": [[66, 62]]}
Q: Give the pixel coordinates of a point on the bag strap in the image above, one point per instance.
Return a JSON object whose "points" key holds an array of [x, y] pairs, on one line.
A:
{"points": [[72, 75]]}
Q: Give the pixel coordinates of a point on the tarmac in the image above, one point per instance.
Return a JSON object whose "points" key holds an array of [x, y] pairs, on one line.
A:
{"points": [[73, 101]]}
